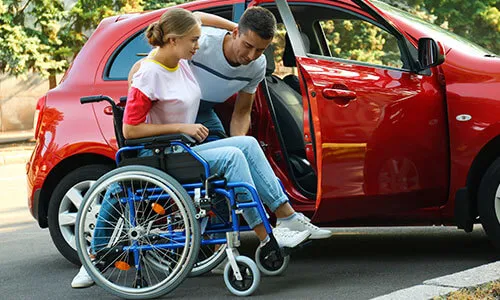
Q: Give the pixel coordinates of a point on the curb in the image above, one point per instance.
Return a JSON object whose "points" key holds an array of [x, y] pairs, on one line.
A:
{"points": [[16, 136], [16, 147], [446, 284]]}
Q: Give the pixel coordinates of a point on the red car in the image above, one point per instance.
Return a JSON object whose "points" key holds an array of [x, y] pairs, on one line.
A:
{"points": [[359, 135]]}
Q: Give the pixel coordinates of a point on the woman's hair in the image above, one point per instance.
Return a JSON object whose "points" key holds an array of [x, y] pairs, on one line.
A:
{"points": [[175, 22]]}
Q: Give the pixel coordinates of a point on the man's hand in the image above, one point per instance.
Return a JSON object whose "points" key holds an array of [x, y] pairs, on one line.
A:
{"points": [[240, 120], [197, 131]]}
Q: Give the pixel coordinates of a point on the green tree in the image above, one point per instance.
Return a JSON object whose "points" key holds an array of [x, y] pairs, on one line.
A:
{"points": [[41, 36], [48, 15], [476, 20], [25, 47], [359, 40]]}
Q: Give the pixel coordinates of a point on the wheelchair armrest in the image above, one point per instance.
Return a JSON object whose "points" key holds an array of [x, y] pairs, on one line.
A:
{"points": [[218, 133], [161, 139]]}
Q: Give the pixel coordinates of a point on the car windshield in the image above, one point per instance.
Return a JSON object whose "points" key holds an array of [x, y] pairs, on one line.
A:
{"points": [[449, 39]]}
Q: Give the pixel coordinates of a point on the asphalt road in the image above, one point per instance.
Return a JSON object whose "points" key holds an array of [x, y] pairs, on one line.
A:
{"points": [[356, 263]]}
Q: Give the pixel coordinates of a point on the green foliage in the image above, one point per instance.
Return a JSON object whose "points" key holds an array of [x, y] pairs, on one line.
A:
{"points": [[359, 40], [23, 48], [476, 20], [43, 35]]}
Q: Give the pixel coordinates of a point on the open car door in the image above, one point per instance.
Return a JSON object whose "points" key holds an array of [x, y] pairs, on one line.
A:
{"points": [[375, 129]]}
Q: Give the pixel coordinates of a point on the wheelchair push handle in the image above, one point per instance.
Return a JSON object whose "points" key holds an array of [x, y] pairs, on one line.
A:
{"points": [[97, 98]]}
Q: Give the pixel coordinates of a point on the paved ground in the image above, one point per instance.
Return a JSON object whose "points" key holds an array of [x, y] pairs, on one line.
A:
{"points": [[16, 148]]}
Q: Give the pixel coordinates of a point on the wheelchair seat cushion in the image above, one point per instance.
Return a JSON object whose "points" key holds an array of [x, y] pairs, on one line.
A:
{"points": [[182, 166]]}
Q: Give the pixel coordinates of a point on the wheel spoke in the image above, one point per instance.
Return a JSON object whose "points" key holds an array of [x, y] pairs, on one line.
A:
{"points": [[67, 218], [159, 268], [75, 196]]}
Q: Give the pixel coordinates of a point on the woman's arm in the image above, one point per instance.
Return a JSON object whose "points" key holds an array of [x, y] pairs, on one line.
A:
{"points": [[215, 21], [133, 70], [197, 131]]}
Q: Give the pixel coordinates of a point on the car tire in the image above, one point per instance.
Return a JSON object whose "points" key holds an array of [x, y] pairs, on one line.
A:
{"points": [[489, 202], [63, 207]]}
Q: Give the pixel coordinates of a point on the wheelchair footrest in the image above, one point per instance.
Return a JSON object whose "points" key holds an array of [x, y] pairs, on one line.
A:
{"points": [[287, 251]]}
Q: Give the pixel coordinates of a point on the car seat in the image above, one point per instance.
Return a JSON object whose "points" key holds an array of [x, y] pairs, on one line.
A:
{"points": [[287, 105]]}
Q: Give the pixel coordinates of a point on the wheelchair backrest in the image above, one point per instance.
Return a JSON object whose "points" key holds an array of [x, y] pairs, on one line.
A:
{"points": [[182, 166], [118, 111]]}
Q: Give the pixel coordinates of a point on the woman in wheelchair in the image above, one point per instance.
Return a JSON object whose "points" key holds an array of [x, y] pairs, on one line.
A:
{"points": [[163, 99]]}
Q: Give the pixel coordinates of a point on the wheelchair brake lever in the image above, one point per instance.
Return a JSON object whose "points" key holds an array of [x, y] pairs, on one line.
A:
{"points": [[200, 202]]}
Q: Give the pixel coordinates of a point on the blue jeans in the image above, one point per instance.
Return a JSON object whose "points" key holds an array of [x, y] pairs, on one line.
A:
{"points": [[239, 158]]}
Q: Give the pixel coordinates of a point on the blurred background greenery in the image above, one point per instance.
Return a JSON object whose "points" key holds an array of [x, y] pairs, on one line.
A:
{"points": [[43, 36]]}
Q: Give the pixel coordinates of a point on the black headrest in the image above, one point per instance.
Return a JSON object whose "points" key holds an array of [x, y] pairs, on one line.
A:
{"points": [[288, 55], [269, 54]]}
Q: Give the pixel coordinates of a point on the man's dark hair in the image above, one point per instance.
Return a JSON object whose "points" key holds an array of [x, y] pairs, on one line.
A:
{"points": [[259, 20]]}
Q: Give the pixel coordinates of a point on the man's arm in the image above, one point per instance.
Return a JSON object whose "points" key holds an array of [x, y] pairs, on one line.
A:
{"points": [[240, 120]]}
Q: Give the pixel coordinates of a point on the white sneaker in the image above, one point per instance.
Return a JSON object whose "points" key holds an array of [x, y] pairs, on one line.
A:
{"points": [[289, 238], [82, 279], [300, 222], [219, 270]]}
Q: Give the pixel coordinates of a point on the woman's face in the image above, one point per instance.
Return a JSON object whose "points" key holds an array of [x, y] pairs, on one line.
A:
{"points": [[187, 45]]}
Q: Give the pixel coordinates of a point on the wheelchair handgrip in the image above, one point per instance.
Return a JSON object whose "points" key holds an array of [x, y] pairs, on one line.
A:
{"points": [[96, 98]]}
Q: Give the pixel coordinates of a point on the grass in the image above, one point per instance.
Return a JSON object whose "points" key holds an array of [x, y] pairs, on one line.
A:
{"points": [[487, 291]]}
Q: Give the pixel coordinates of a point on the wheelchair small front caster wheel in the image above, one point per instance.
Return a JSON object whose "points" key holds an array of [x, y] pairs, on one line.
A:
{"points": [[271, 265], [250, 277]]}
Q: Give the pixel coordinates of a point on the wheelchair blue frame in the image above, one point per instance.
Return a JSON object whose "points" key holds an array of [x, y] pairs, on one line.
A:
{"points": [[221, 187]]}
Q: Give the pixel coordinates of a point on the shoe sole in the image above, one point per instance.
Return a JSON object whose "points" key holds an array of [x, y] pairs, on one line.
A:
{"points": [[80, 286], [320, 237]]}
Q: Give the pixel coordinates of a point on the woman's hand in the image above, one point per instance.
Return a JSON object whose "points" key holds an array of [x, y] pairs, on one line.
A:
{"points": [[197, 131]]}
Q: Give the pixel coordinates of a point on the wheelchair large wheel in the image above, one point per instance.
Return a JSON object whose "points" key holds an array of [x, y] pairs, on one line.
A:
{"points": [[147, 241], [250, 277], [211, 255]]}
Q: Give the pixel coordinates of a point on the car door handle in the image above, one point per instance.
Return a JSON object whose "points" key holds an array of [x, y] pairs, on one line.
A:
{"points": [[333, 94]]}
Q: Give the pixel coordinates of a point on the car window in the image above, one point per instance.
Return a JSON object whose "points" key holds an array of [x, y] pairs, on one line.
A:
{"points": [[278, 46], [132, 51], [356, 39], [340, 33]]}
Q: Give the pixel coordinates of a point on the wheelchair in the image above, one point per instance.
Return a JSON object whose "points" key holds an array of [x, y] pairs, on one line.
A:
{"points": [[165, 221]]}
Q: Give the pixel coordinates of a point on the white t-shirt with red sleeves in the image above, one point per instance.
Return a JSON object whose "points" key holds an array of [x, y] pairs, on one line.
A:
{"points": [[162, 95]]}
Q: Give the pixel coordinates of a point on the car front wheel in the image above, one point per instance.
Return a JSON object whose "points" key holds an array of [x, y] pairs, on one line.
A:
{"points": [[489, 202], [64, 205]]}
